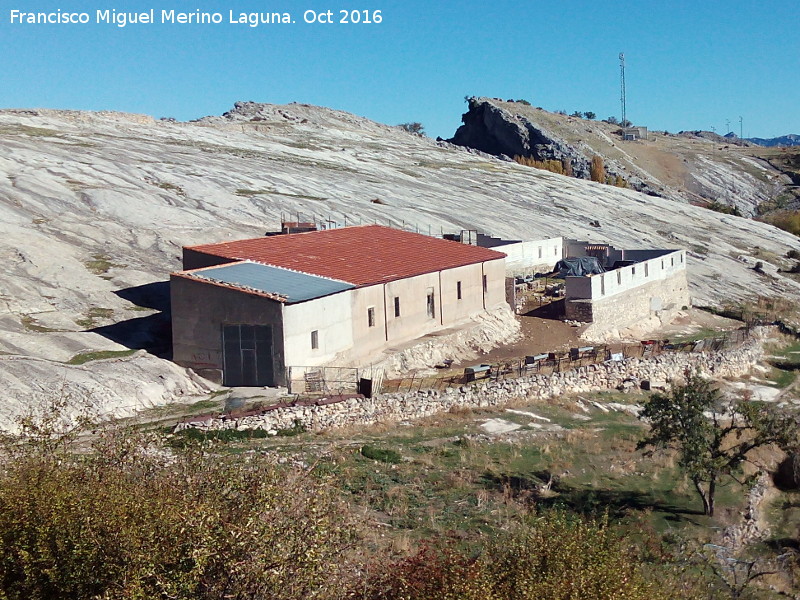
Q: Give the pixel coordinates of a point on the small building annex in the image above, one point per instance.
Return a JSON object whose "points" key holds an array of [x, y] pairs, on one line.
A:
{"points": [[244, 311]]}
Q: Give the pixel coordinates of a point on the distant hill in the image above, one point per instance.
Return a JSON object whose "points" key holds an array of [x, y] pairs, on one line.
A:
{"points": [[785, 140], [697, 167]]}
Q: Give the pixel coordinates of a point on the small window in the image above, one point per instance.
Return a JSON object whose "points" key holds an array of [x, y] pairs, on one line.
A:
{"points": [[555, 250], [458, 289], [485, 284], [397, 306], [314, 339], [672, 261], [540, 252], [681, 256], [431, 304], [646, 270], [371, 316], [619, 277], [633, 270], [602, 285]]}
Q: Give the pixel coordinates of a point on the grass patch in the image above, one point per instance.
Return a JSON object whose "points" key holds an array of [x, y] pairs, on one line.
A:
{"points": [[294, 430], [225, 436], [29, 131], [170, 187], [702, 334], [100, 264], [381, 455], [250, 193], [85, 357], [92, 316], [784, 516], [785, 364], [29, 323], [444, 474], [782, 378]]}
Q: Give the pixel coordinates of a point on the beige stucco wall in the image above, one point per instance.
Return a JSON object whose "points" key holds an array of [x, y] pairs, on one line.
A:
{"points": [[413, 320], [330, 317], [495, 271], [471, 302], [367, 339]]}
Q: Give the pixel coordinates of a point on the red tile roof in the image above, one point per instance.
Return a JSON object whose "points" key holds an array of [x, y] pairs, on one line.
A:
{"points": [[362, 255]]}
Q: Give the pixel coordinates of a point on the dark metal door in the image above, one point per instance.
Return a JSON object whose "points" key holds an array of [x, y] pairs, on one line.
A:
{"points": [[247, 355]]}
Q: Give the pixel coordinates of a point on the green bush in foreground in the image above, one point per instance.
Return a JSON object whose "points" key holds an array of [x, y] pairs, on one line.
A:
{"points": [[553, 557], [128, 518], [131, 521]]}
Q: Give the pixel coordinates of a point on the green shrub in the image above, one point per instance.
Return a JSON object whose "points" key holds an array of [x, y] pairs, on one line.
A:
{"points": [[296, 429], [129, 520], [193, 435], [551, 557], [726, 209], [381, 455], [786, 220]]}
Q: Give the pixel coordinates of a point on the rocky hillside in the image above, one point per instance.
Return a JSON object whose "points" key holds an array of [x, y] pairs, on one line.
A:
{"points": [[94, 209], [784, 140], [695, 167]]}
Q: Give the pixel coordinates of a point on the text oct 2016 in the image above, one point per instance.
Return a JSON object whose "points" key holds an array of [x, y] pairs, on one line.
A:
{"points": [[197, 17]]}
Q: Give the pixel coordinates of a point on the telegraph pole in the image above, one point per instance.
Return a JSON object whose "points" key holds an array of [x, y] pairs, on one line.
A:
{"points": [[622, 86], [741, 134]]}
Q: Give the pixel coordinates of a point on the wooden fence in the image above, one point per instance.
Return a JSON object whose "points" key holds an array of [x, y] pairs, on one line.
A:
{"points": [[558, 362]]}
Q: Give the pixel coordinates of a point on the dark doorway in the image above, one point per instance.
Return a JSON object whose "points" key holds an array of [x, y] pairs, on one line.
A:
{"points": [[247, 355]]}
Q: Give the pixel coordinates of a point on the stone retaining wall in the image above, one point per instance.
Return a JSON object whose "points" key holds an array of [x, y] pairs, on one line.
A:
{"points": [[414, 405]]}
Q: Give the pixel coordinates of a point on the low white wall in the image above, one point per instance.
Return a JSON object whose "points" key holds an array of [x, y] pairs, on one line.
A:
{"points": [[627, 278], [539, 255], [643, 309]]}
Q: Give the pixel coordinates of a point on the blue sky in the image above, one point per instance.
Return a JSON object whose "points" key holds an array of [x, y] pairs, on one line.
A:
{"points": [[690, 65]]}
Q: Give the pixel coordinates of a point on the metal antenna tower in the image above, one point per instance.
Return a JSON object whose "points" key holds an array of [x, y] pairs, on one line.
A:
{"points": [[727, 126], [622, 86], [741, 135]]}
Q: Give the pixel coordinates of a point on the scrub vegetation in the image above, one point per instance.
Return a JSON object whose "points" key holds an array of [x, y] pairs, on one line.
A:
{"points": [[561, 505]]}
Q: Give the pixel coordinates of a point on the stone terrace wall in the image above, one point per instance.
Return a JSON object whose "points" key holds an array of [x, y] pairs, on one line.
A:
{"points": [[414, 405]]}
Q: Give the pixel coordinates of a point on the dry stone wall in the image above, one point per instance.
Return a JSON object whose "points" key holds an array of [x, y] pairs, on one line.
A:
{"points": [[414, 405]]}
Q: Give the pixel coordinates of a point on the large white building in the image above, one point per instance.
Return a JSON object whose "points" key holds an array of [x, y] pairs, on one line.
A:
{"points": [[245, 311]]}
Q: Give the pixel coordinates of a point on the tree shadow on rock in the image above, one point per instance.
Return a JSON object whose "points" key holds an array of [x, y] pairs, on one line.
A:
{"points": [[548, 491]]}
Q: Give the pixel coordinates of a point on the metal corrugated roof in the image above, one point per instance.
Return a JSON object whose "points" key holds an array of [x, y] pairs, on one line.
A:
{"points": [[291, 286], [362, 255]]}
